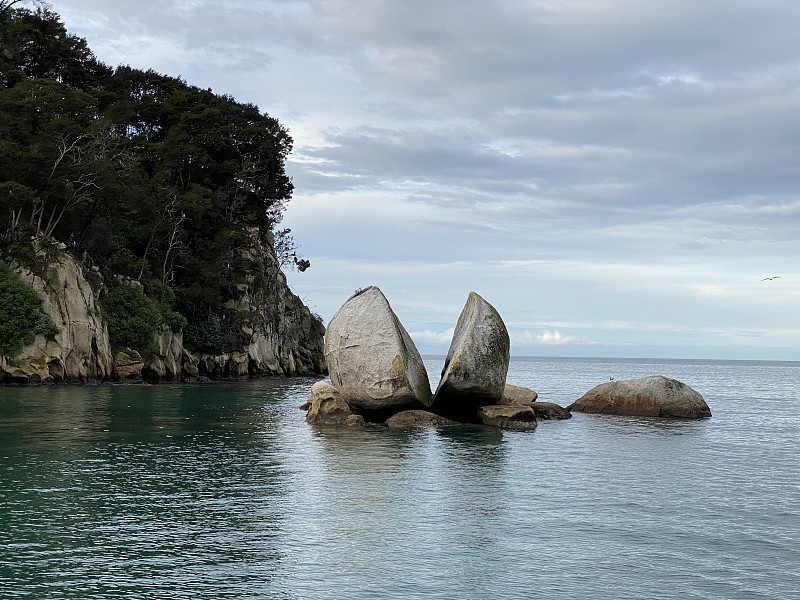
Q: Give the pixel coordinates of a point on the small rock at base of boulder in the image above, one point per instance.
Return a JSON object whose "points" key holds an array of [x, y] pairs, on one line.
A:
{"points": [[520, 418], [418, 418], [653, 396], [354, 420], [328, 407], [519, 396], [548, 411], [476, 365]]}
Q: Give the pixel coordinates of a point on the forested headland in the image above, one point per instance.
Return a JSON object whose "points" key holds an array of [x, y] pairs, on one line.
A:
{"points": [[154, 183]]}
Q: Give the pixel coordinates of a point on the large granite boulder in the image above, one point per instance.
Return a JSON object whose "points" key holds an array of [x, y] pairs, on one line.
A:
{"points": [[653, 396], [418, 418], [476, 366], [519, 418], [371, 358], [327, 407]]}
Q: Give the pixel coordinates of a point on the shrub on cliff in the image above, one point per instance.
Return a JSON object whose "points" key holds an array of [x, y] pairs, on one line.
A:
{"points": [[21, 315], [131, 316]]}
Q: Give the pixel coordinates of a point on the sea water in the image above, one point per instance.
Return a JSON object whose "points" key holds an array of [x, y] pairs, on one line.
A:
{"points": [[221, 490]]}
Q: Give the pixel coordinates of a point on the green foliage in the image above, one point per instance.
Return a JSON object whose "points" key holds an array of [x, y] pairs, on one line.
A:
{"points": [[155, 179], [218, 333], [287, 251], [124, 262], [14, 199], [204, 335], [21, 314], [175, 320], [22, 253], [131, 316], [44, 326]]}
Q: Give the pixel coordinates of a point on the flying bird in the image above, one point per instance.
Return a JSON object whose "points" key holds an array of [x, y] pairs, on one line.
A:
{"points": [[771, 278]]}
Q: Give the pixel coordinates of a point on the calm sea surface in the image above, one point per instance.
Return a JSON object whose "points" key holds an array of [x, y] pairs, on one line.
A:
{"points": [[223, 491]]}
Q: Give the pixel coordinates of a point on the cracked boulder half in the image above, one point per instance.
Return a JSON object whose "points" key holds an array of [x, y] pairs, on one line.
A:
{"points": [[372, 360]]}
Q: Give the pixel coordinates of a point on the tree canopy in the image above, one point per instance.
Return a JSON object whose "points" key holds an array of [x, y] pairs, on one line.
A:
{"points": [[151, 177]]}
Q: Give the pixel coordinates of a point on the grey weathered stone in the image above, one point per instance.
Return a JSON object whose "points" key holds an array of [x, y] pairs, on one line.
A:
{"points": [[355, 420], [514, 395], [476, 366], [418, 418], [653, 396], [520, 418], [280, 334], [165, 363], [520, 396], [128, 365], [371, 358], [80, 351], [328, 407]]}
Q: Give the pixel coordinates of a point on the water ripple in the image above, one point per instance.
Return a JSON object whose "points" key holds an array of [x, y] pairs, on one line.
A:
{"points": [[223, 491]]}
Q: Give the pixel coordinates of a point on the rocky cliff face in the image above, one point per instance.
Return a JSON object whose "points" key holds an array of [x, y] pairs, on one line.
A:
{"points": [[81, 351], [282, 337]]}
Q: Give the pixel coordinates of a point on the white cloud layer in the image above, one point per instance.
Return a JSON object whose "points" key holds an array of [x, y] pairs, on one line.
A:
{"points": [[555, 338], [574, 162]]}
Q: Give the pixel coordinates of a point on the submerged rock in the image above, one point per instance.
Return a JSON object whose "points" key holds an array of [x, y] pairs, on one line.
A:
{"points": [[326, 406], [548, 411], [371, 358], [476, 366], [653, 396], [418, 418], [520, 418]]}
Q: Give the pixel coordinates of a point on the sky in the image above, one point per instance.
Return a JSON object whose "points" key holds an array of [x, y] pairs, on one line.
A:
{"points": [[616, 178]]}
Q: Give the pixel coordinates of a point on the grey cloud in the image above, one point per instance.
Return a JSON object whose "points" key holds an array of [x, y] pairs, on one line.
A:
{"points": [[521, 44], [665, 129]]}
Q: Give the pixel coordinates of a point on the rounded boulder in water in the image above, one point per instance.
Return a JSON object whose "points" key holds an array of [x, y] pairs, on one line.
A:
{"points": [[653, 396]]}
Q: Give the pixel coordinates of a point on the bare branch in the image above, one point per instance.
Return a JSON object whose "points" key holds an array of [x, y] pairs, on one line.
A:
{"points": [[5, 5], [175, 243]]}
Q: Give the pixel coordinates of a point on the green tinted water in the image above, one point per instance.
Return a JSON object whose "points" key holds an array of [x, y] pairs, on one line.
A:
{"points": [[223, 491]]}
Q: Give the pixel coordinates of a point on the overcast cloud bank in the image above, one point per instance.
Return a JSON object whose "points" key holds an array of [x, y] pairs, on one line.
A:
{"points": [[616, 178]]}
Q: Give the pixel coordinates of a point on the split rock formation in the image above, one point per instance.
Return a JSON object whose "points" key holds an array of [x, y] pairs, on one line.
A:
{"points": [[377, 373], [378, 376]]}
